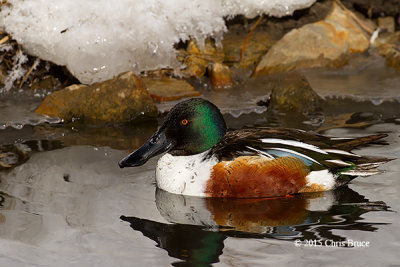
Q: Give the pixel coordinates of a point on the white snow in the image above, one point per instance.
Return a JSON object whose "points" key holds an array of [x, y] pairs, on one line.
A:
{"points": [[98, 39]]}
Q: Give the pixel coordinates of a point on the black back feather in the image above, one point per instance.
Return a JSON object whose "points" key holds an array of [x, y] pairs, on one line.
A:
{"points": [[248, 141]]}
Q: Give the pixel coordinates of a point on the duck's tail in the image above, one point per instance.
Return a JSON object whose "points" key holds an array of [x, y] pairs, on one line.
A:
{"points": [[361, 166], [366, 166], [365, 169], [351, 143]]}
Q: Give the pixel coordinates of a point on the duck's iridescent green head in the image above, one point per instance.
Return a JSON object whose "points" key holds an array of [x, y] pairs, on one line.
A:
{"points": [[195, 126], [191, 127]]}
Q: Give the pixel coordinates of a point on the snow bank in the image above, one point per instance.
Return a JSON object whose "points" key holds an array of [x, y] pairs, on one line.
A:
{"points": [[98, 39]]}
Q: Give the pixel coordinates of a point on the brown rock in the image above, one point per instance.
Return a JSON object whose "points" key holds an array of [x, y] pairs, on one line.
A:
{"points": [[220, 76], [257, 45], [196, 65], [391, 52], [197, 61], [388, 46], [293, 93], [48, 82], [324, 43], [355, 37], [387, 23], [3, 75], [211, 52], [385, 38], [293, 101], [375, 8], [117, 100], [168, 89]]}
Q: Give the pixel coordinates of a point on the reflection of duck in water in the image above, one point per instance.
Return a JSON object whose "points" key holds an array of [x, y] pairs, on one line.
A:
{"points": [[258, 216], [204, 159], [254, 215], [194, 235]]}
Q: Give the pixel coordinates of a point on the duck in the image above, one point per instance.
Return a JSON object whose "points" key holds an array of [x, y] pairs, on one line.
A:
{"points": [[201, 157]]}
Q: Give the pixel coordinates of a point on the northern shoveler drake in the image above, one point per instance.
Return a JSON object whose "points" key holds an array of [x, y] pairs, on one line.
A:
{"points": [[204, 159]]}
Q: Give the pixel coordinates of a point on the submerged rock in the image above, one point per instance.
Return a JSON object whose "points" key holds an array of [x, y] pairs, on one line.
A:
{"points": [[293, 100], [15, 154], [324, 43], [118, 100], [293, 93], [12, 155], [168, 89]]}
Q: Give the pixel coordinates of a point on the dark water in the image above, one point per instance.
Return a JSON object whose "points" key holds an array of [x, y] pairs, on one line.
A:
{"points": [[65, 202]]}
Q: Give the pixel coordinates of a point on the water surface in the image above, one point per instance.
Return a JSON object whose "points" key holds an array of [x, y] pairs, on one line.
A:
{"points": [[65, 202]]}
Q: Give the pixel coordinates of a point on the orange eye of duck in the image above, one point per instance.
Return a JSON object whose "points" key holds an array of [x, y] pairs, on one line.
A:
{"points": [[184, 121]]}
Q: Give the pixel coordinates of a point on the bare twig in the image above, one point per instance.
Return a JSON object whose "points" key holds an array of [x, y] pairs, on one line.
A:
{"points": [[34, 65], [355, 18], [4, 39], [248, 37]]}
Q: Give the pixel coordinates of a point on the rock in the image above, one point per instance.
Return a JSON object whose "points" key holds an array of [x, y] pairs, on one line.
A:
{"points": [[375, 8], [385, 38], [168, 89], [256, 47], [3, 75], [391, 52], [211, 52], [197, 61], [195, 65], [220, 76], [387, 23], [211, 58], [325, 43], [388, 46], [48, 82], [293, 100], [118, 100], [293, 93]]}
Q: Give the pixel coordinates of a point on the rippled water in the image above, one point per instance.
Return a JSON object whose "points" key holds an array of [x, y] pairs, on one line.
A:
{"points": [[65, 202]]}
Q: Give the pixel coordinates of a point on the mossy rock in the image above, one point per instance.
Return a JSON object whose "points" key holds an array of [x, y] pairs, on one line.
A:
{"points": [[122, 99]]}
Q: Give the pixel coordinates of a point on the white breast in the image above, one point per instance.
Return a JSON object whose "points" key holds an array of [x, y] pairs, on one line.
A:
{"points": [[185, 175]]}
